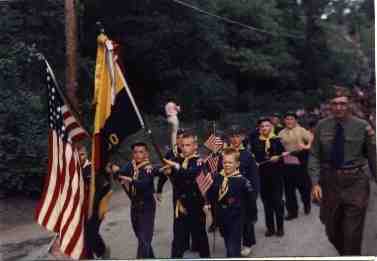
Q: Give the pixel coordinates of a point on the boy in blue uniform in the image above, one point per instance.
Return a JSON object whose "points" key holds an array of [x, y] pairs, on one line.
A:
{"points": [[136, 178], [234, 200], [189, 203], [268, 150], [248, 169]]}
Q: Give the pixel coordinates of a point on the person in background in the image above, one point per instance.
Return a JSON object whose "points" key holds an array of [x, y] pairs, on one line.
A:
{"points": [[277, 126], [296, 140], [268, 151]]}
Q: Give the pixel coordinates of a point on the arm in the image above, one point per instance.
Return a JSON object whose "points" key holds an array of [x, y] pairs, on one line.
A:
{"points": [[249, 197], [253, 172], [314, 158], [370, 149]]}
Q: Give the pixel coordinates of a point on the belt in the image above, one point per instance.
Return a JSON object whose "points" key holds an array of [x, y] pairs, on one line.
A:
{"points": [[349, 170]]}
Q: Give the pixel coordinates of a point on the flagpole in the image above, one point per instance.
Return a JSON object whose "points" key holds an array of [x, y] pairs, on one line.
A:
{"points": [[214, 209], [142, 121]]}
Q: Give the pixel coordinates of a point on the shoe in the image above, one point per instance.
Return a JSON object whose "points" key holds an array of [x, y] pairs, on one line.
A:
{"points": [[212, 228], [291, 216], [307, 210], [269, 233], [106, 254], [280, 233], [246, 251]]}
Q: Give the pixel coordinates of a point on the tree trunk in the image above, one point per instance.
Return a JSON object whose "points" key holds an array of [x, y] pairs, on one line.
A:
{"points": [[71, 53]]}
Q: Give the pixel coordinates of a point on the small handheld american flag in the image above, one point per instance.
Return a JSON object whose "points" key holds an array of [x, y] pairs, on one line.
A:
{"points": [[214, 143], [204, 182]]}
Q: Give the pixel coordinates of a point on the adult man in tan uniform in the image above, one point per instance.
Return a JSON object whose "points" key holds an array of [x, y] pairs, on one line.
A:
{"points": [[342, 147], [296, 140]]}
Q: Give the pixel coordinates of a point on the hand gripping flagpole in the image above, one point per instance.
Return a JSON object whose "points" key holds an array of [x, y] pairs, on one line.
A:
{"points": [[214, 208]]}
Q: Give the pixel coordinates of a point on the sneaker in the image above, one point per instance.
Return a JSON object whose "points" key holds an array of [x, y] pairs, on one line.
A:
{"points": [[246, 251]]}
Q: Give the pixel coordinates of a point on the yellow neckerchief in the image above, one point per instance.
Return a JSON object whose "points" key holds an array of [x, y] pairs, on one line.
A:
{"points": [[224, 186], [267, 139], [138, 167], [136, 174], [179, 208], [186, 160]]}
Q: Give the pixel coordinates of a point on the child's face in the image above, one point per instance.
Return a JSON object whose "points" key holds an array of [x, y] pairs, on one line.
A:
{"points": [[230, 164]]}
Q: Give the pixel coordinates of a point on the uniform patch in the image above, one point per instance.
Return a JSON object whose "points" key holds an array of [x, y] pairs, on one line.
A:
{"points": [[370, 130]]}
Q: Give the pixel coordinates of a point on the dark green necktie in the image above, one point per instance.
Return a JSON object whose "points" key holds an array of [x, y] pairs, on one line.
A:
{"points": [[337, 153]]}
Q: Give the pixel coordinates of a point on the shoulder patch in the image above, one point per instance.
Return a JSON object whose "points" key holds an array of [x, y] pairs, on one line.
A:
{"points": [[370, 130]]}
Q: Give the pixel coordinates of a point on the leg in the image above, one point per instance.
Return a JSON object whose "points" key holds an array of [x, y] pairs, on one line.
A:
{"points": [[278, 206], [356, 202], [248, 234], [197, 225], [146, 218], [304, 186], [179, 233], [267, 205], [234, 234], [290, 191], [96, 243]]}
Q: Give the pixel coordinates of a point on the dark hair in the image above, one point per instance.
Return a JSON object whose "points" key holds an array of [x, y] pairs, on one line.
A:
{"points": [[189, 134], [231, 151], [339, 91], [234, 130], [139, 144], [181, 131], [290, 113], [263, 119], [276, 115]]}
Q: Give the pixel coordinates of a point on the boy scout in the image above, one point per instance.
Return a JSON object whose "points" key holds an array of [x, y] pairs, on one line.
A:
{"points": [[234, 200], [268, 149], [137, 180], [248, 169], [342, 147], [189, 203]]}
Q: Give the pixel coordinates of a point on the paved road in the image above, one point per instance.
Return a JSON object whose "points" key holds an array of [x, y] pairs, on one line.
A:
{"points": [[304, 236]]}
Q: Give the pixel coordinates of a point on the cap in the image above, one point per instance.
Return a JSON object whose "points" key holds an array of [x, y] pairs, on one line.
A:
{"points": [[290, 113], [234, 130], [339, 91], [264, 118]]}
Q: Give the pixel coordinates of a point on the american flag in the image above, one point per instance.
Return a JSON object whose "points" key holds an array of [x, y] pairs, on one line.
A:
{"points": [[212, 162], [214, 143], [204, 182], [62, 208]]}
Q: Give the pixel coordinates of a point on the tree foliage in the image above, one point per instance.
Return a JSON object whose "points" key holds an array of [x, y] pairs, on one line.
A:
{"points": [[214, 69]]}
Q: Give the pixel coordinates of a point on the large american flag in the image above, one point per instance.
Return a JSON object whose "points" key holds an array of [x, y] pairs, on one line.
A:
{"points": [[62, 207]]}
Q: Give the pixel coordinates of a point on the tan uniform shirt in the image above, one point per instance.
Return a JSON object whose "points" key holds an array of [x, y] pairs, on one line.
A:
{"points": [[359, 147], [291, 138]]}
